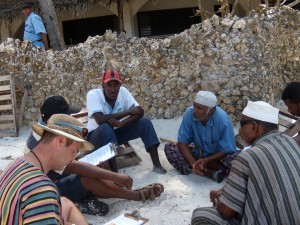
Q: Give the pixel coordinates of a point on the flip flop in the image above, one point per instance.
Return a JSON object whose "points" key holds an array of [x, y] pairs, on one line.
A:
{"points": [[93, 207], [150, 192]]}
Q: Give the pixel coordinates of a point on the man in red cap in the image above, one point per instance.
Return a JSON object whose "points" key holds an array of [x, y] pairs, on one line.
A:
{"points": [[107, 107], [82, 182]]}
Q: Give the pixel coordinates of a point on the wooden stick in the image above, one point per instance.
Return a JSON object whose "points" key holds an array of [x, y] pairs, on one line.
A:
{"points": [[167, 140]]}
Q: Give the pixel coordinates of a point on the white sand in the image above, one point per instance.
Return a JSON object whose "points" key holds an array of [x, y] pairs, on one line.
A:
{"points": [[175, 206]]}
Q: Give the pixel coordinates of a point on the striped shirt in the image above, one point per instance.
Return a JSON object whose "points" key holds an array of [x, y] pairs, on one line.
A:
{"points": [[28, 196], [264, 182]]}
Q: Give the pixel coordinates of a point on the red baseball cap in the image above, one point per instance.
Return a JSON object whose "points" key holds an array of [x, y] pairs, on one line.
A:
{"points": [[111, 75]]}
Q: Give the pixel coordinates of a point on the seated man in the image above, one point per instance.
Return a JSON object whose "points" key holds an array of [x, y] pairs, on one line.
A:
{"points": [[107, 106], [27, 195], [209, 129], [291, 97], [263, 184], [80, 180]]}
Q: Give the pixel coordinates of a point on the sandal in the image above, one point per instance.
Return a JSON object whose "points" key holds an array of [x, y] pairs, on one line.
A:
{"points": [[93, 207], [150, 192]]}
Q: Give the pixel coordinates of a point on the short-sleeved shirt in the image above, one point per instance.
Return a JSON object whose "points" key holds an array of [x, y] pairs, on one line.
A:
{"points": [[28, 196], [96, 103], [216, 136], [34, 26], [264, 183]]}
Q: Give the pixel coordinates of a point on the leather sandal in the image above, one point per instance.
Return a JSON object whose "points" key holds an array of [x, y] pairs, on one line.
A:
{"points": [[151, 191]]}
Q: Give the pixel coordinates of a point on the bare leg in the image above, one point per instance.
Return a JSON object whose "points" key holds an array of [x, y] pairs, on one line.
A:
{"points": [[108, 189], [71, 213], [214, 165], [157, 167], [215, 171], [113, 164], [297, 139]]}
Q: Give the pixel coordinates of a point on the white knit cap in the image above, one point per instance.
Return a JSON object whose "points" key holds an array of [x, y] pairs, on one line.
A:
{"points": [[261, 111], [206, 98]]}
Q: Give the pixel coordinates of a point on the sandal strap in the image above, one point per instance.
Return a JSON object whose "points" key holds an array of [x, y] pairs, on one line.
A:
{"points": [[151, 189], [142, 194]]}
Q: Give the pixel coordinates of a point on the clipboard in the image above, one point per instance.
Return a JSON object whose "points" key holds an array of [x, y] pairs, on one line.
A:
{"points": [[145, 220], [100, 155], [128, 219]]}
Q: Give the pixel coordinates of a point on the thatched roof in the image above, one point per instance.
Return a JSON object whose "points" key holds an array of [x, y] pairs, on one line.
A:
{"points": [[9, 9]]}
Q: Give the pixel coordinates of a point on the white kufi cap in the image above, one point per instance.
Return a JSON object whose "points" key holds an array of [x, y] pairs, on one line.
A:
{"points": [[206, 98], [261, 111]]}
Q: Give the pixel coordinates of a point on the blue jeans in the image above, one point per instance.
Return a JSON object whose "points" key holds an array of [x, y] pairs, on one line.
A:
{"points": [[142, 128]]}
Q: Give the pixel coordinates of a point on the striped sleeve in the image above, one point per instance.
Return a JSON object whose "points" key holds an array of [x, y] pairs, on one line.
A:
{"points": [[28, 196], [234, 194], [264, 182]]}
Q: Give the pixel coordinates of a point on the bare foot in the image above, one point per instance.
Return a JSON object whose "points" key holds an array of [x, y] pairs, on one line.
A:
{"points": [[159, 170]]}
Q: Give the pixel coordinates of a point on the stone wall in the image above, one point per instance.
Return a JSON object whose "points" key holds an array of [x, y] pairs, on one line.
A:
{"points": [[237, 58]]}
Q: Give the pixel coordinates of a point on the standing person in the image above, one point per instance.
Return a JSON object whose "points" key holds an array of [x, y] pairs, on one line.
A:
{"points": [[291, 98], [27, 195], [82, 181], [208, 128], [106, 106], [263, 184], [34, 30]]}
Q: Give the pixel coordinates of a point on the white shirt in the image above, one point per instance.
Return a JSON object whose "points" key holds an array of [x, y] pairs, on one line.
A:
{"points": [[96, 103]]}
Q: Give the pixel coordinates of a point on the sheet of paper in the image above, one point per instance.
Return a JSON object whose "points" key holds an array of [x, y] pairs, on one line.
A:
{"points": [[123, 220], [100, 155], [122, 119]]}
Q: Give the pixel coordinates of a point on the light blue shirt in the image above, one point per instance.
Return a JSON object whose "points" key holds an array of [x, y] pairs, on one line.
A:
{"points": [[34, 26], [217, 135]]}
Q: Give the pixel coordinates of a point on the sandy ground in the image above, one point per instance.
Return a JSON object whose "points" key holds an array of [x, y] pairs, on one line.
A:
{"points": [[175, 206]]}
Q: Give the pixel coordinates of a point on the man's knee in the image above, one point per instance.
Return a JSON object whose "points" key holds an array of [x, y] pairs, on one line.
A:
{"points": [[144, 121], [206, 215], [66, 203], [104, 128]]}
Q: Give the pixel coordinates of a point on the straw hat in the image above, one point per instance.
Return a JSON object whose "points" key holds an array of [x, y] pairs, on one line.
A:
{"points": [[66, 126]]}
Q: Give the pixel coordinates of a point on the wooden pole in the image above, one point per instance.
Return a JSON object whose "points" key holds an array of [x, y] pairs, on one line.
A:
{"points": [[51, 23]]}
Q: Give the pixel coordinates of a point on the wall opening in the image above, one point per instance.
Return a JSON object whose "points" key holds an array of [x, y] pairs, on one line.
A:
{"points": [[77, 31], [165, 22]]}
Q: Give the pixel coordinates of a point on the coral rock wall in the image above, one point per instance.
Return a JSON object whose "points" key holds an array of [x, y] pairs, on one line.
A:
{"points": [[236, 58]]}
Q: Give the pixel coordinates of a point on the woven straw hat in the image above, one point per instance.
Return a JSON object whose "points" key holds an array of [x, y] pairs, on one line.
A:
{"points": [[66, 126]]}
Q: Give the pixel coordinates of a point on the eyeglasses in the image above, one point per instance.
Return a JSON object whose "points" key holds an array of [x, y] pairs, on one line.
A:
{"points": [[244, 122]]}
